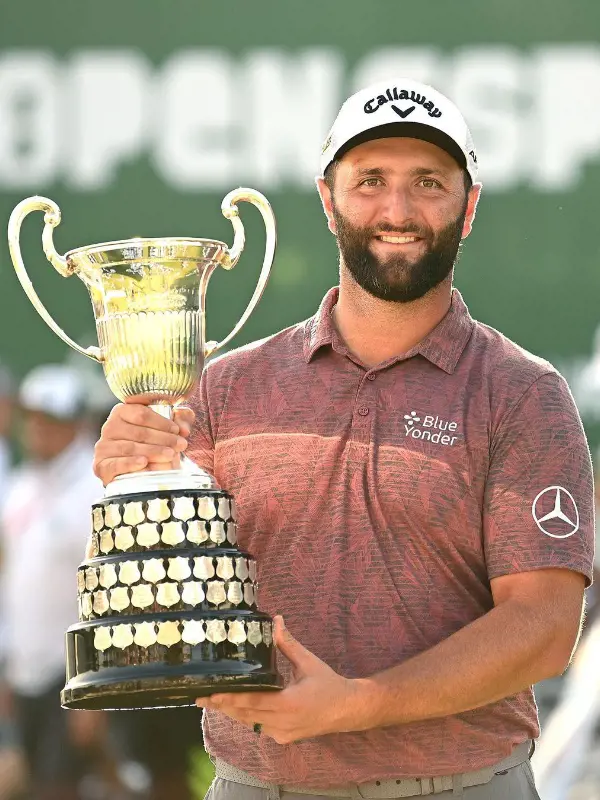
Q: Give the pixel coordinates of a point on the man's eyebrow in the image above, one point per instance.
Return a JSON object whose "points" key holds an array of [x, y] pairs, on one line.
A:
{"points": [[363, 172], [429, 171]]}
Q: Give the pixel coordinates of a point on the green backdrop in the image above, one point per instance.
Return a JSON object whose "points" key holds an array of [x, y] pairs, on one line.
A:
{"points": [[137, 116]]}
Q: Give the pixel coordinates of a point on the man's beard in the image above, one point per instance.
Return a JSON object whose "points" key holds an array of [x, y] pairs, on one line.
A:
{"points": [[398, 278]]}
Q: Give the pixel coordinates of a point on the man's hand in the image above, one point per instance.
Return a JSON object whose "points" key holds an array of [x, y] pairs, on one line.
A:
{"points": [[135, 438], [316, 701]]}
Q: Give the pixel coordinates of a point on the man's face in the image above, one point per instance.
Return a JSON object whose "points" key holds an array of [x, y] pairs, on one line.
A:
{"points": [[44, 437], [399, 210]]}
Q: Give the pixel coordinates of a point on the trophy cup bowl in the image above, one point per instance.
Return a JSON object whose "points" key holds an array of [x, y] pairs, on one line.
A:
{"points": [[167, 601]]}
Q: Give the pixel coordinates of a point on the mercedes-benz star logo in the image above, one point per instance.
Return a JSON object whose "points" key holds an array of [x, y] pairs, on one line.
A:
{"points": [[555, 512]]}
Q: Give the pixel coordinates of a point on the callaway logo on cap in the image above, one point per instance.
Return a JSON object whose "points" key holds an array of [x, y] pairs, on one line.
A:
{"points": [[401, 108]]}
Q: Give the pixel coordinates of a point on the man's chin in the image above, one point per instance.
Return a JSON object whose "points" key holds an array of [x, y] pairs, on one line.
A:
{"points": [[394, 293]]}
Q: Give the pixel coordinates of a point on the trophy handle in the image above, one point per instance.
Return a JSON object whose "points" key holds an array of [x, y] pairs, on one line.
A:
{"points": [[229, 210], [60, 264]]}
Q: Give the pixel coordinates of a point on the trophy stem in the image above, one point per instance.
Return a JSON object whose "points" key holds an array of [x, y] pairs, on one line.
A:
{"points": [[164, 409]]}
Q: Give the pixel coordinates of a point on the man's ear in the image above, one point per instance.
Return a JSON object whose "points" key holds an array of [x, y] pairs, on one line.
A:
{"points": [[474, 195], [327, 201]]}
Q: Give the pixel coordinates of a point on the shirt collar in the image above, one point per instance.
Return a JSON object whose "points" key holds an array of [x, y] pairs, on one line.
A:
{"points": [[442, 347]]}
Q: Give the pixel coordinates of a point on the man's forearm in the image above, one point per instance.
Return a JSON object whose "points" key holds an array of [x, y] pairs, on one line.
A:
{"points": [[497, 655]]}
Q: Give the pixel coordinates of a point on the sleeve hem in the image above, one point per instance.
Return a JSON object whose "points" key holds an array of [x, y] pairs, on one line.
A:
{"points": [[582, 568]]}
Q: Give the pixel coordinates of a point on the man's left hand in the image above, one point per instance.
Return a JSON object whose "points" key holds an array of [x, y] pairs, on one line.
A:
{"points": [[316, 701]]}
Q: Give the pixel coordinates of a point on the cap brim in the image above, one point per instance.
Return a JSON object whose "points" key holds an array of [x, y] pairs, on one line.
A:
{"points": [[409, 130], [73, 415]]}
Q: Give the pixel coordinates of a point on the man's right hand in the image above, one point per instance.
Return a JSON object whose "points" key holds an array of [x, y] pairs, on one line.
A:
{"points": [[135, 438]]}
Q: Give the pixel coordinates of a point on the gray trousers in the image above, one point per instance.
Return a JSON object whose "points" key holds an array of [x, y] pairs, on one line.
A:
{"points": [[515, 784]]}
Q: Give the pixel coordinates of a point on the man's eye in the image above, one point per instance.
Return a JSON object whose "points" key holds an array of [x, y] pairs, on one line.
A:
{"points": [[430, 183], [371, 182]]}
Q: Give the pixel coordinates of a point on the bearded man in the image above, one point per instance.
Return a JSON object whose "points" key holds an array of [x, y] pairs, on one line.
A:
{"points": [[415, 487]]}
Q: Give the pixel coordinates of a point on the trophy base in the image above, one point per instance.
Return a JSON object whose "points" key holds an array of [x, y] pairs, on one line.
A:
{"points": [[169, 675], [161, 690], [167, 604]]}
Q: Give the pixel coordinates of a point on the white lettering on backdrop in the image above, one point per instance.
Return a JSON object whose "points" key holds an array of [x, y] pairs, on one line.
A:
{"points": [[206, 119]]}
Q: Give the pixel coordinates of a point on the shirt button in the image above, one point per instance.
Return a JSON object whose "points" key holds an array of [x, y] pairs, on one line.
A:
{"points": [[363, 411], [371, 376]]}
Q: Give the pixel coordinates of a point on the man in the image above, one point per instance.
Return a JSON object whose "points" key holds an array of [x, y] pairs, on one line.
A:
{"points": [[415, 487], [44, 526]]}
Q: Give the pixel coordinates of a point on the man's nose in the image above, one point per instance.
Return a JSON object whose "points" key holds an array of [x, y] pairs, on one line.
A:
{"points": [[398, 209]]}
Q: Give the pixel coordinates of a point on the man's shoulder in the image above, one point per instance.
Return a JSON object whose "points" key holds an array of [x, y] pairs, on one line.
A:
{"points": [[285, 346], [507, 362]]}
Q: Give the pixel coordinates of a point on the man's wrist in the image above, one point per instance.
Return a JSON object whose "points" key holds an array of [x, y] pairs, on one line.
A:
{"points": [[364, 705]]}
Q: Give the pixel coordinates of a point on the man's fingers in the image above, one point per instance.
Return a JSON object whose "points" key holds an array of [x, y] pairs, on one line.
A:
{"points": [[184, 428], [142, 424], [246, 716], [136, 433], [184, 416], [111, 467], [134, 437], [155, 466], [119, 448], [297, 654], [259, 702], [120, 454], [138, 414]]}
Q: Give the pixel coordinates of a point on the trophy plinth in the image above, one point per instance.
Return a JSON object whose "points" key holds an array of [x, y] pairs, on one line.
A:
{"points": [[167, 602], [167, 606]]}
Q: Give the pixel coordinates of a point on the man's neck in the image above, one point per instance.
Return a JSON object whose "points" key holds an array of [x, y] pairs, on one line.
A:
{"points": [[376, 330]]}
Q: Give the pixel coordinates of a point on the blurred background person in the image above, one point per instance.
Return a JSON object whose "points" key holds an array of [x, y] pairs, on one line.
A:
{"points": [[12, 768], [163, 742], [44, 524], [6, 419]]}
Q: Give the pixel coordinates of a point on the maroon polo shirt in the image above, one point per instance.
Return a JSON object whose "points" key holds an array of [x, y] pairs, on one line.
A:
{"points": [[379, 503]]}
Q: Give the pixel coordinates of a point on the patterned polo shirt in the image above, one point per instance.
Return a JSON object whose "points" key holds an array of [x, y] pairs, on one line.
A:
{"points": [[379, 503]]}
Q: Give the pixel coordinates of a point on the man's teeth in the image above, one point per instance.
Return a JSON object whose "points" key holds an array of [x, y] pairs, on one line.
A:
{"points": [[399, 239]]}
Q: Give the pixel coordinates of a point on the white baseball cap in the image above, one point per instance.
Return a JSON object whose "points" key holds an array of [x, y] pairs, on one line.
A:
{"points": [[401, 107], [53, 389]]}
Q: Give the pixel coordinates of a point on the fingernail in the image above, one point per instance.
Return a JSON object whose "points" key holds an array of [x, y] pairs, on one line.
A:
{"points": [[174, 428], [181, 443], [168, 452]]}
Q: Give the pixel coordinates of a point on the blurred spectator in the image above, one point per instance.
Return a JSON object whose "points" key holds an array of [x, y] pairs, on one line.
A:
{"points": [[12, 771], [163, 741], [585, 383], [44, 524], [158, 744], [99, 398], [6, 417]]}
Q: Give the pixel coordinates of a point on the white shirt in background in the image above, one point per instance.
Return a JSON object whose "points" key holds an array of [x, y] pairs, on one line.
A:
{"points": [[44, 526]]}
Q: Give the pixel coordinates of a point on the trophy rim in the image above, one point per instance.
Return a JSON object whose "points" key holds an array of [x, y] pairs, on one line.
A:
{"points": [[143, 241]]}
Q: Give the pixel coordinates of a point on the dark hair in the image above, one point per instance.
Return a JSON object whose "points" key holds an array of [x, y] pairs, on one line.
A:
{"points": [[329, 177]]}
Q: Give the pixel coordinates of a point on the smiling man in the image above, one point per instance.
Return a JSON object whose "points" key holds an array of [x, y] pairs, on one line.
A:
{"points": [[415, 487]]}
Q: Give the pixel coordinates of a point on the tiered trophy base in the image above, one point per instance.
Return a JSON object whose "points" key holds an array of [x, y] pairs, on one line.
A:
{"points": [[172, 675], [167, 605]]}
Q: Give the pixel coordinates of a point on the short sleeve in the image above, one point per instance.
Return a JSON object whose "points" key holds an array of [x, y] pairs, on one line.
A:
{"points": [[201, 449], [538, 509]]}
